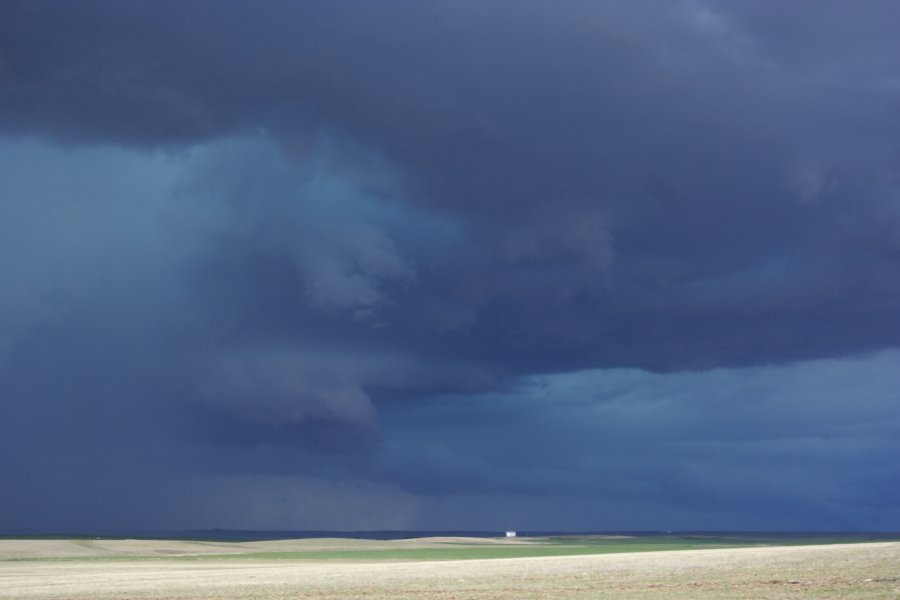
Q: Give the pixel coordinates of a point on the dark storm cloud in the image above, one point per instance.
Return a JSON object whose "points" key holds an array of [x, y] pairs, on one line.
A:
{"points": [[270, 227], [673, 158], [677, 160]]}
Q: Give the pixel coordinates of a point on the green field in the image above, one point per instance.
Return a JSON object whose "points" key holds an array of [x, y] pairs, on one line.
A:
{"points": [[431, 549], [550, 546]]}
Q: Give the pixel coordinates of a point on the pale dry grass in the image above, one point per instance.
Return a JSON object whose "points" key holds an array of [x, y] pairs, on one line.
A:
{"points": [[870, 571], [112, 548], [90, 548]]}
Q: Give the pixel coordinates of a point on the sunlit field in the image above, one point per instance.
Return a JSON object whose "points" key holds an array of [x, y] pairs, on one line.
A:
{"points": [[563, 567]]}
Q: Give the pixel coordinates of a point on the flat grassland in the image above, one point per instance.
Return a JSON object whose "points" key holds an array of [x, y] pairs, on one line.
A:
{"points": [[442, 568]]}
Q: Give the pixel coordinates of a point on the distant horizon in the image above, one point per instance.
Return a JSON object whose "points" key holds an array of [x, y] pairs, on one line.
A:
{"points": [[248, 535]]}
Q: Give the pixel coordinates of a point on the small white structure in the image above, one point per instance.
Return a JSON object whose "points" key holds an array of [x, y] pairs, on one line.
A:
{"points": [[510, 534]]}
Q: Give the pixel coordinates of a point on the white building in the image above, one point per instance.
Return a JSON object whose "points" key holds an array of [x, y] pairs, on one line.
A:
{"points": [[510, 534]]}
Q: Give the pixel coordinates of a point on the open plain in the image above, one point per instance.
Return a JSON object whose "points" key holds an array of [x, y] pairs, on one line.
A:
{"points": [[156, 569]]}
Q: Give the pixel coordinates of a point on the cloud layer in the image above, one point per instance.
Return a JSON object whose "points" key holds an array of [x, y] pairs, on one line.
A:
{"points": [[368, 252]]}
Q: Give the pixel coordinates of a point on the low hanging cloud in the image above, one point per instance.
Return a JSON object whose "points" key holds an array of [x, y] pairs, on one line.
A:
{"points": [[284, 390], [727, 445], [339, 238]]}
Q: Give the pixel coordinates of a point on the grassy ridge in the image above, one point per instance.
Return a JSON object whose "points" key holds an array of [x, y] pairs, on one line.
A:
{"points": [[450, 553], [467, 549], [551, 546]]}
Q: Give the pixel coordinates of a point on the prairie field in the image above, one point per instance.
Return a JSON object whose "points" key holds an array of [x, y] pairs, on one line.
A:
{"points": [[445, 568]]}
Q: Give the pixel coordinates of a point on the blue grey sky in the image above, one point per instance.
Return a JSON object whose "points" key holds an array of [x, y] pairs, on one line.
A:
{"points": [[612, 265]]}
